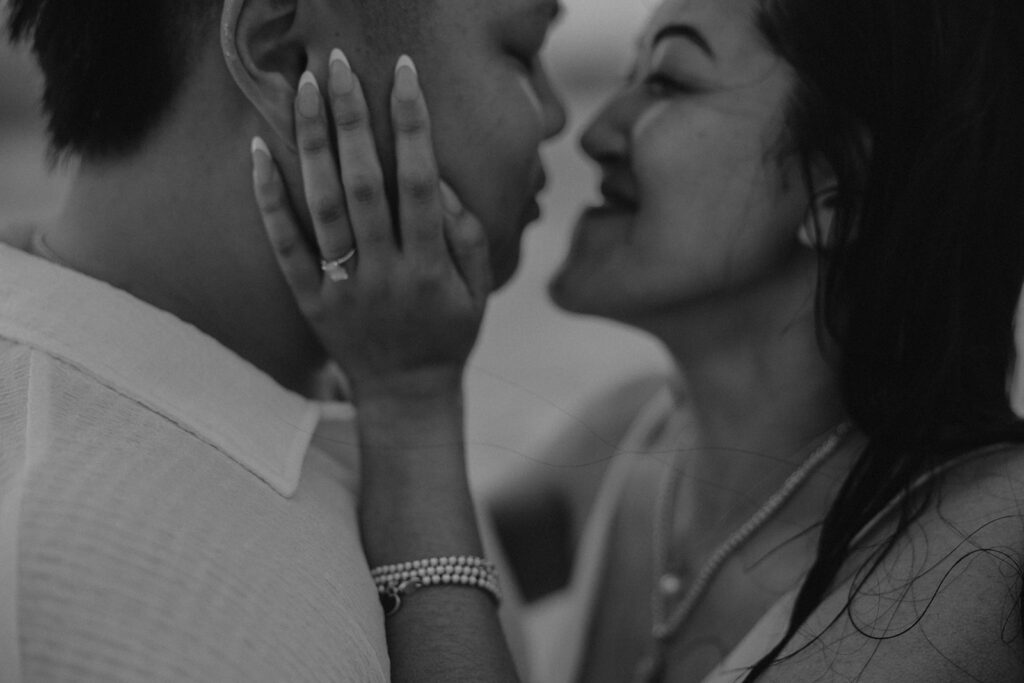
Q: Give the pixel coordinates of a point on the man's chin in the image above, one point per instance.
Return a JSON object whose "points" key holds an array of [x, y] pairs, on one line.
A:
{"points": [[506, 244], [504, 264], [503, 274]]}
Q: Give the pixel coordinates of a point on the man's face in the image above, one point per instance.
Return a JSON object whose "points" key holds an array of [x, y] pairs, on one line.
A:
{"points": [[491, 106]]}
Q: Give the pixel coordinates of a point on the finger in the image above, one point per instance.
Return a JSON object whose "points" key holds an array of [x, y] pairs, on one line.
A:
{"points": [[467, 242], [320, 180], [297, 263], [419, 201], [361, 174]]}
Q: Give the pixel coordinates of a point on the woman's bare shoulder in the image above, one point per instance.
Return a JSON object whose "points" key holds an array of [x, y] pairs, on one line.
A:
{"points": [[945, 603]]}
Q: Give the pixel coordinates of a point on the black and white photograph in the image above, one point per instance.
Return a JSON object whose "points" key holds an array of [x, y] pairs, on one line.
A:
{"points": [[511, 341]]}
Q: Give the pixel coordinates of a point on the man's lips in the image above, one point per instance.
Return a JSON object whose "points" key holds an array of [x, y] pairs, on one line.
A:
{"points": [[542, 182], [533, 211]]}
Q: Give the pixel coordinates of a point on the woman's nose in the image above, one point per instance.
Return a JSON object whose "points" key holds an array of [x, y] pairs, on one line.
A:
{"points": [[606, 137]]}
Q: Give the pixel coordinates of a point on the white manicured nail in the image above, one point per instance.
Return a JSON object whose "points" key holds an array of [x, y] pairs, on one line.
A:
{"points": [[405, 60], [338, 56], [258, 145]]}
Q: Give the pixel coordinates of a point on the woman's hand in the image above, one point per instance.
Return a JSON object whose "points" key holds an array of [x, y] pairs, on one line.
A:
{"points": [[402, 314]]}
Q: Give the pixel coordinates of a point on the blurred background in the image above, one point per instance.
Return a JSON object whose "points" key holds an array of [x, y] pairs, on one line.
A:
{"points": [[535, 365]]}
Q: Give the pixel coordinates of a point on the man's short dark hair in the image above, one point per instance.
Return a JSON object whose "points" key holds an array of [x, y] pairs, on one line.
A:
{"points": [[112, 67]]}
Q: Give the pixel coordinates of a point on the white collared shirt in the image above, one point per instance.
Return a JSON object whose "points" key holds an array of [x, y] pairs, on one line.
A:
{"points": [[167, 511]]}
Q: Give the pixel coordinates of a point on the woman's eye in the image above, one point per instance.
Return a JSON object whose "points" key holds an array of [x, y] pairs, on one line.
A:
{"points": [[660, 85]]}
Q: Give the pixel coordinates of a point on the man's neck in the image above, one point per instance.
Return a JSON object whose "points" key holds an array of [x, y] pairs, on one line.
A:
{"points": [[176, 226]]}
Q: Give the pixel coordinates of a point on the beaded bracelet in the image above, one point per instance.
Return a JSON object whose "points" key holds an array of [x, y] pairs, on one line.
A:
{"points": [[397, 581]]}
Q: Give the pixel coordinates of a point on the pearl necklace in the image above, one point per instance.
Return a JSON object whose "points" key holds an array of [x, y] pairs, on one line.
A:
{"points": [[651, 668]]}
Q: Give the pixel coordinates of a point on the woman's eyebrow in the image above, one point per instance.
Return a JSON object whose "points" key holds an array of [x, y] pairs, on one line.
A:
{"points": [[687, 31]]}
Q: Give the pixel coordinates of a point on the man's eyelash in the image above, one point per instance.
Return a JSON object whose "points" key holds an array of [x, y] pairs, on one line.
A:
{"points": [[526, 60]]}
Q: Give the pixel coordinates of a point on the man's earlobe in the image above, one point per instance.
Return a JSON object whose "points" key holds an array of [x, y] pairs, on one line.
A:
{"points": [[265, 58]]}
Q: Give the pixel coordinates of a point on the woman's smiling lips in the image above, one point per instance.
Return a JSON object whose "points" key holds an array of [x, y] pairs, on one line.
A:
{"points": [[619, 204]]}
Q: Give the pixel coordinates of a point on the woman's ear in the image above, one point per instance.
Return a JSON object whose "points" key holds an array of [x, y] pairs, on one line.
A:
{"points": [[816, 230], [265, 57]]}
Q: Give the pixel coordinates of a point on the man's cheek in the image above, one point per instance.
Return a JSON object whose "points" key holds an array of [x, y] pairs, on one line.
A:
{"points": [[530, 93]]}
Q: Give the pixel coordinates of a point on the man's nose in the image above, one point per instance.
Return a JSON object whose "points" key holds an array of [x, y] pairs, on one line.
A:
{"points": [[555, 115]]}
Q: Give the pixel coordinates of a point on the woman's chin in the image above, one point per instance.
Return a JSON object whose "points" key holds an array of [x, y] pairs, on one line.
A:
{"points": [[599, 232], [565, 295], [579, 286]]}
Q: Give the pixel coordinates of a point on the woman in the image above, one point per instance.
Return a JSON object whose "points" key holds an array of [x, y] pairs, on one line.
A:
{"points": [[816, 206]]}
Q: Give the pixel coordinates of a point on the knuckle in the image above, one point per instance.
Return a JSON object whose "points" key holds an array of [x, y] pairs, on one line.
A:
{"points": [[409, 122], [271, 202], [314, 143], [327, 209], [420, 186], [365, 189], [348, 119], [285, 245], [377, 237]]}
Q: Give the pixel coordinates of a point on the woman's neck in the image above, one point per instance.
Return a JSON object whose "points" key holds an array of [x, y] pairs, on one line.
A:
{"points": [[761, 393]]}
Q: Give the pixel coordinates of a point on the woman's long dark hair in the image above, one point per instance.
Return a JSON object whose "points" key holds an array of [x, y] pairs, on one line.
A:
{"points": [[918, 107]]}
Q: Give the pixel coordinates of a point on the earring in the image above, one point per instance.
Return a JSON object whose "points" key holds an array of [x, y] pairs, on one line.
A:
{"points": [[807, 235], [815, 232]]}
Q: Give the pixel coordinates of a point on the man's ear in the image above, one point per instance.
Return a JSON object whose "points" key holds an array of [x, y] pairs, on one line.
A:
{"points": [[265, 57]]}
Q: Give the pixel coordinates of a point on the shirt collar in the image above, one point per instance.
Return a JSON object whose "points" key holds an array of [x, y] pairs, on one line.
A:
{"points": [[162, 362]]}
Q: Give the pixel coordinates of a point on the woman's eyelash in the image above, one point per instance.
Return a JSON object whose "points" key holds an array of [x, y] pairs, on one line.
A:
{"points": [[662, 84]]}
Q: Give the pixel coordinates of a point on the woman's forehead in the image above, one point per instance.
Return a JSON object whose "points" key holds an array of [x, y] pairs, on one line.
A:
{"points": [[712, 14], [725, 25]]}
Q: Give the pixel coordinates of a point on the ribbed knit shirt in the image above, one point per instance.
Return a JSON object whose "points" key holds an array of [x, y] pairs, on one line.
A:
{"points": [[167, 511]]}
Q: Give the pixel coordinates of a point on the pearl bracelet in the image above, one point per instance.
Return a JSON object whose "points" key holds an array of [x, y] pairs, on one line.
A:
{"points": [[397, 581]]}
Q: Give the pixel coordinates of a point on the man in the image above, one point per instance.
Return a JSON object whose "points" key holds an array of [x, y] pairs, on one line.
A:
{"points": [[173, 503]]}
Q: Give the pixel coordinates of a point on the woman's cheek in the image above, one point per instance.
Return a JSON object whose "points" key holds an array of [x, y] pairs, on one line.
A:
{"points": [[658, 157], [648, 120]]}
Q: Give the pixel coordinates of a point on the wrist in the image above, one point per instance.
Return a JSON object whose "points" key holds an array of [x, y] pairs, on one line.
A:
{"points": [[429, 425], [412, 405], [414, 391]]}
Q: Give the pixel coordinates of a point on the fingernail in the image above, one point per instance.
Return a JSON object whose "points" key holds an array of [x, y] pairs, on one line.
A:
{"points": [[309, 95], [406, 82], [342, 79], [450, 200], [337, 55], [261, 160]]}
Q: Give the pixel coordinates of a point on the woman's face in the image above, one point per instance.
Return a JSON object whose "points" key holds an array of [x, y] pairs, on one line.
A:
{"points": [[698, 205]]}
